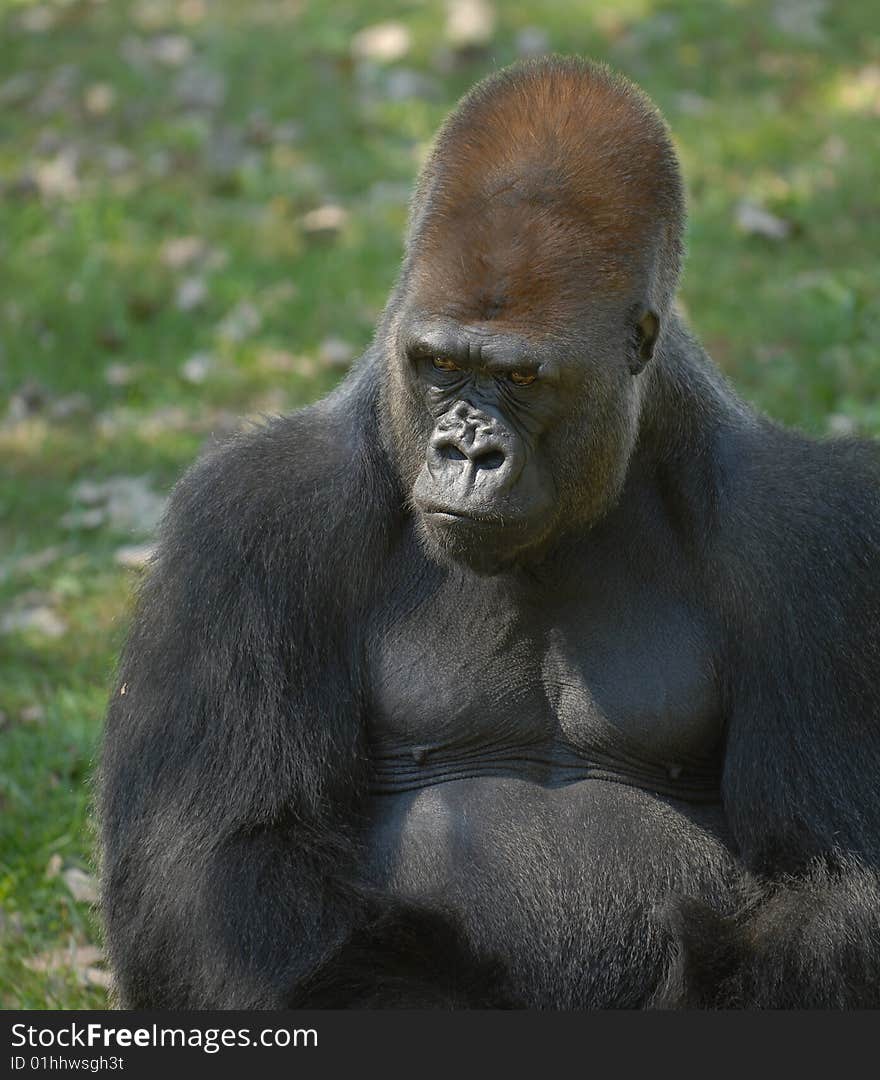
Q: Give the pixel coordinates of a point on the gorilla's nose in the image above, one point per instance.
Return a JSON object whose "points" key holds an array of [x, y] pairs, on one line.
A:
{"points": [[481, 453], [465, 466], [473, 460]]}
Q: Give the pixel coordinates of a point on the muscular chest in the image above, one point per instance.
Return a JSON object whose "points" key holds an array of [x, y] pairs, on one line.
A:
{"points": [[473, 675]]}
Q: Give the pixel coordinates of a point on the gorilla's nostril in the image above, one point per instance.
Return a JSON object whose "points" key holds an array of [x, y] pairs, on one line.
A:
{"points": [[451, 453], [493, 460]]}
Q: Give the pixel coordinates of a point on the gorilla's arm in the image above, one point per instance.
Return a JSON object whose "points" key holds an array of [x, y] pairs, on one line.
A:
{"points": [[233, 761], [801, 784]]}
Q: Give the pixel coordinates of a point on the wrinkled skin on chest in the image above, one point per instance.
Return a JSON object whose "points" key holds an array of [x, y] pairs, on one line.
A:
{"points": [[527, 741]]}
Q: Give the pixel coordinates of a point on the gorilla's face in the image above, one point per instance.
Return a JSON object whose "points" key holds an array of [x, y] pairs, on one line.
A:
{"points": [[482, 488], [516, 438]]}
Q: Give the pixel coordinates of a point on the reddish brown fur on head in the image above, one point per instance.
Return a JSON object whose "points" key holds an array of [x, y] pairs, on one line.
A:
{"points": [[553, 184]]}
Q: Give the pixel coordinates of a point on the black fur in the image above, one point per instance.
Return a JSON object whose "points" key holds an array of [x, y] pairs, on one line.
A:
{"points": [[340, 759]]}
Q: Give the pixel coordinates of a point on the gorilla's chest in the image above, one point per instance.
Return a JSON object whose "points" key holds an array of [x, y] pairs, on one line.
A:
{"points": [[478, 677]]}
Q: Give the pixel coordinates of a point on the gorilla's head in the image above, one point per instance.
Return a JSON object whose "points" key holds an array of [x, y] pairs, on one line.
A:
{"points": [[542, 258]]}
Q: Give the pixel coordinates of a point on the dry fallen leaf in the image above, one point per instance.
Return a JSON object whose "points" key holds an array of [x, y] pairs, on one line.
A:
{"points": [[38, 620], [532, 41], [756, 221], [325, 220], [841, 425], [38, 560], [171, 50], [81, 956], [191, 294], [82, 960], [82, 886], [181, 251], [134, 556], [93, 976], [242, 322], [99, 99], [334, 352], [32, 714], [197, 368], [200, 88], [57, 178], [37, 19], [469, 23], [126, 504], [384, 42], [121, 374], [76, 404]]}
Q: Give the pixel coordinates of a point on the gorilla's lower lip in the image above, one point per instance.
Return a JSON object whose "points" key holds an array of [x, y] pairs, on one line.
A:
{"points": [[446, 514]]}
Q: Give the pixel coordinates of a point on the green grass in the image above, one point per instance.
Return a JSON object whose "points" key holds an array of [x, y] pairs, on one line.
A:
{"points": [[788, 120]]}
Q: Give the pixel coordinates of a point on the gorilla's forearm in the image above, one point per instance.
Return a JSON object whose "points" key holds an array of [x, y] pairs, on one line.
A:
{"points": [[811, 941], [234, 928]]}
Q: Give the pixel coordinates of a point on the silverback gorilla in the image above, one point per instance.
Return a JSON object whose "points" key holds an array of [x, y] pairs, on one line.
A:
{"points": [[531, 667]]}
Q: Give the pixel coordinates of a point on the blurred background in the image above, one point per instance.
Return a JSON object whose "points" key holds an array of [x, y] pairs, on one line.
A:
{"points": [[201, 212]]}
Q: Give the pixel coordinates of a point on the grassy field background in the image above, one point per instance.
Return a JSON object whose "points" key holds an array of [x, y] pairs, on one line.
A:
{"points": [[201, 208]]}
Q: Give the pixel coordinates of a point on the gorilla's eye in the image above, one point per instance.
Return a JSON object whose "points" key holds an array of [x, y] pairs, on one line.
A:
{"points": [[522, 378], [443, 363]]}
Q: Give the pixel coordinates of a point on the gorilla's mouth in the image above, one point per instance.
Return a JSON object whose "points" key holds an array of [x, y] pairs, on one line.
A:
{"points": [[449, 515], [482, 540]]}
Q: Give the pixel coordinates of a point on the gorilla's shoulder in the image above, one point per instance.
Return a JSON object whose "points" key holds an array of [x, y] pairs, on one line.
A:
{"points": [[833, 479], [807, 510], [262, 469], [846, 478], [290, 483], [781, 473]]}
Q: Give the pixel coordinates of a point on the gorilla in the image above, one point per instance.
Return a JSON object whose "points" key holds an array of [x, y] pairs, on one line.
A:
{"points": [[531, 668]]}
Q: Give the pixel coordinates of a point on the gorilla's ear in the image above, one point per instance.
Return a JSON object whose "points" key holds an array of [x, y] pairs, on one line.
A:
{"points": [[647, 330]]}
